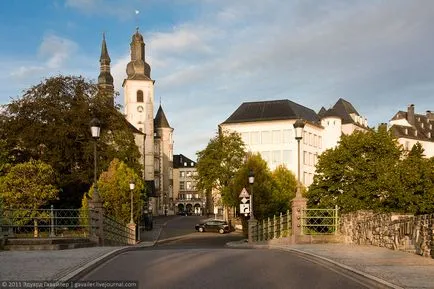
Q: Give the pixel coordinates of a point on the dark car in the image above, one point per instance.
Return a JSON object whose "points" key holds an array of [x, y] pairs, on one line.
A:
{"points": [[213, 226]]}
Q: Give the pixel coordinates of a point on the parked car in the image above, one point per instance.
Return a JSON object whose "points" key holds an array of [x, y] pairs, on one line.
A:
{"points": [[213, 226]]}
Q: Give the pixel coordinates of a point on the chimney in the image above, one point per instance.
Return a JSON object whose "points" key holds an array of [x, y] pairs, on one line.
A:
{"points": [[410, 114], [429, 115]]}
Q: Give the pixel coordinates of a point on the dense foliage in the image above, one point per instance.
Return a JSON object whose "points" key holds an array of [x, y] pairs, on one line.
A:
{"points": [[114, 190], [29, 185], [371, 171], [218, 163], [50, 122]]}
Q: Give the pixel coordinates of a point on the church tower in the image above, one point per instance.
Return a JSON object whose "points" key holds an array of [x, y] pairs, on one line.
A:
{"points": [[164, 162], [105, 79], [139, 100]]}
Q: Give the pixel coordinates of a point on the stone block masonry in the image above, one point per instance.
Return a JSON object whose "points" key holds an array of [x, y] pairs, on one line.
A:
{"points": [[402, 232]]}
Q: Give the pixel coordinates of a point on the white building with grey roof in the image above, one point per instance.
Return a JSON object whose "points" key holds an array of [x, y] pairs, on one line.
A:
{"points": [[266, 127]]}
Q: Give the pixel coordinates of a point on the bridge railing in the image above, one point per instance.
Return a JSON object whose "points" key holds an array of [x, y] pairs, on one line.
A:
{"points": [[279, 226]]}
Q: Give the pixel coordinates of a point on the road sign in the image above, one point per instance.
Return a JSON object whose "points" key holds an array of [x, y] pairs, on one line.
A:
{"points": [[244, 200], [244, 208], [244, 193]]}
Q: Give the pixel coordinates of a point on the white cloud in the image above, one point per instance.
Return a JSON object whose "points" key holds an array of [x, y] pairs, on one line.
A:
{"points": [[56, 50]]}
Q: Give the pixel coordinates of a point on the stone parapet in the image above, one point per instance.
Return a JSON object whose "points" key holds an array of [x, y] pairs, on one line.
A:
{"points": [[394, 231]]}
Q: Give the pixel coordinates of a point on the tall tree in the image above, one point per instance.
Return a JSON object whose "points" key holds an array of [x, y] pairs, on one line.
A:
{"points": [[218, 163], [114, 190], [360, 173], [50, 122], [285, 184]]}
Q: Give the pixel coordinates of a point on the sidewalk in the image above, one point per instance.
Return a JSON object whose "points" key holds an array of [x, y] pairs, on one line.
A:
{"points": [[393, 269]]}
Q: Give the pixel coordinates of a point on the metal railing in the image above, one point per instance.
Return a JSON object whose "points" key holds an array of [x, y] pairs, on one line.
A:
{"points": [[272, 228], [116, 233], [320, 221], [45, 223]]}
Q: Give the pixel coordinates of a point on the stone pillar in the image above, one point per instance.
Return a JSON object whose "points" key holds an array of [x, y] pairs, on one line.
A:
{"points": [[252, 228], [132, 233], [96, 221], [298, 205]]}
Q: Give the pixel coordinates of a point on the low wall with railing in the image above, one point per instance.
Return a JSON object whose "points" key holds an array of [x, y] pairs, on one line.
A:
{"points": [[273, 228], [90, 224], [394, 231]]}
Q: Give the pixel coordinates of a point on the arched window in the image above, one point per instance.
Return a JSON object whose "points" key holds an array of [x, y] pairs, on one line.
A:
{"points": [[139, 96]]}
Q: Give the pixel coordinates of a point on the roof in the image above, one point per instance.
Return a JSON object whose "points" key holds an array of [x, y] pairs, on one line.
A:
{"points": [[271, 110], [181, 161], [343, 109], [160, 120], [423, 128]]}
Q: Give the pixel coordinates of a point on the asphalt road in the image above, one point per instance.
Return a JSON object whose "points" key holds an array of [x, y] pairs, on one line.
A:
{"points": [[184, 258]]}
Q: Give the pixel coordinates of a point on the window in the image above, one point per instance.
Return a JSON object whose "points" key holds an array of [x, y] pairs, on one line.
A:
{"points": [[182, 174], [287, 138], [305, 158], [266, 137], [276, 136], [266, 156], [254, 138], [286, 157], [305, 140], [245, 137], [320, 142], [276, 157], [182, 186], [139, 96], [189, 186], [189, 174]]}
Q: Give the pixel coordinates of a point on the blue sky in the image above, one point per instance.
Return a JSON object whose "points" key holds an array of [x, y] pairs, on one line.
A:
{"points": [[209, 56]]}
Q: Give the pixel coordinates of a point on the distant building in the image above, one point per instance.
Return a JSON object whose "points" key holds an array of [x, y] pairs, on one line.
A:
{"points": [[410, 128], [153, 136], [267, 127], [186, 197]]}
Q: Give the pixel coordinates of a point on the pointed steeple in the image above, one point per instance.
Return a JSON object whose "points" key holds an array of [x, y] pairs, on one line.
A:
{"points": [[160, 120], [105, 79], [137, 68]]}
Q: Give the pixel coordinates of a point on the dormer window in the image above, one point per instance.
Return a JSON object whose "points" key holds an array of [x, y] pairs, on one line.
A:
{"points": [[406, 131], [415, 132]]}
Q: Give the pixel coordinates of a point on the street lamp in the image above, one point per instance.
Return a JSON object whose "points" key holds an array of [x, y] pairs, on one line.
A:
{"points": [[132, 186], [95, 129], [251, 181], [298, 126]]}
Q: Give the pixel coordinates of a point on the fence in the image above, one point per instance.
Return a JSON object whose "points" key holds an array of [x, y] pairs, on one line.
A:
{"points": [[320, 221], [272, 228], [65, 223], [45, 223]]}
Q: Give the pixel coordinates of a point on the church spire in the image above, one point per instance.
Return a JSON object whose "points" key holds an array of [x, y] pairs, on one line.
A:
{"points": [[137, 68], [105, 79]]}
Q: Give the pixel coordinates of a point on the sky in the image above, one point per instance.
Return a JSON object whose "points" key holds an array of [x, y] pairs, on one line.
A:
{"points": [[209, 56]]}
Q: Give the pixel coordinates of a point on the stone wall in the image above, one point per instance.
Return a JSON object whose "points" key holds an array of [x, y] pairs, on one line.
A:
{"points": [[394, 231]]}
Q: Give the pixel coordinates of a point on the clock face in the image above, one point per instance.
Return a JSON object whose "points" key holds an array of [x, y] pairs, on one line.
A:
{"points": [[140, 108]]}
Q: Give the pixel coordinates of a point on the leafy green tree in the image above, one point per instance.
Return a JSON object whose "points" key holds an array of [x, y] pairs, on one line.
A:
{"points": [[360, 173], [30, 186], [285, 185], [263, 203], [50, 122], [218, 163], [114, 190], [416, 194]]}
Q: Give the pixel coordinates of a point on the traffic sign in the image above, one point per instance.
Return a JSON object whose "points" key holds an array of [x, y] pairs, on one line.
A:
{"points": [[244, 208], [244, 200], [244, 193]]}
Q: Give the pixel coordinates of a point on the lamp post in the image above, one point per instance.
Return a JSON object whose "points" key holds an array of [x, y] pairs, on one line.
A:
{"points": [[132, 186], [251, 181], [95, 129], [298, 126]]}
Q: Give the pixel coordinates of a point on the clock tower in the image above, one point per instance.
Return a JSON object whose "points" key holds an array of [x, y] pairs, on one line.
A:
{"points": [[139, 100]]}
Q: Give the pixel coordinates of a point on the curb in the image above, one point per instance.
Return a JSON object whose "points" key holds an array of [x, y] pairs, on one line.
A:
{"points": [[356, 274], [86, 268]]}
